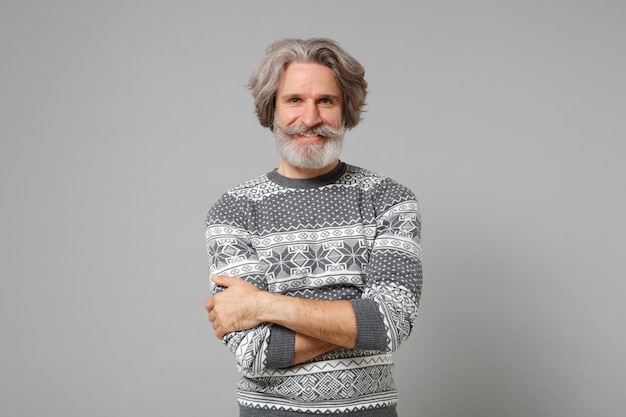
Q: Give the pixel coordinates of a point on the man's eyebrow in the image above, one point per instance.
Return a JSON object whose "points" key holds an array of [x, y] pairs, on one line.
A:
{"points": [[296, 95], [331, 96]]}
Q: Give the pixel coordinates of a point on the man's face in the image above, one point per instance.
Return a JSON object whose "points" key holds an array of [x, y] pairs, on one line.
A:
{"points": [[308, 122]]}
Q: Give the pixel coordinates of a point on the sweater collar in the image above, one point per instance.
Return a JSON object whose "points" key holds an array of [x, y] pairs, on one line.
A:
{"points": [[314, 182]]}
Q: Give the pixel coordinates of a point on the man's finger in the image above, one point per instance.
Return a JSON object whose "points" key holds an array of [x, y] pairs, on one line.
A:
{"points": [[223, 280], [208, 304]]}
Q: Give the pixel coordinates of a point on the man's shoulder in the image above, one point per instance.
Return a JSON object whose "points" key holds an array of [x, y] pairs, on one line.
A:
{"points": [[252, 189], [367, 178], [237, 198], [249, 184], [361, 176]]}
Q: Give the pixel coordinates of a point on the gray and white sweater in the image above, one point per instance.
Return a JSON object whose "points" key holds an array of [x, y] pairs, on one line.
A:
{"points": [[349, 234]]}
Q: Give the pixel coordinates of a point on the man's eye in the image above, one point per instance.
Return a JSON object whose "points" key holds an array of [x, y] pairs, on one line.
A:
{"points": [[294, 100]]}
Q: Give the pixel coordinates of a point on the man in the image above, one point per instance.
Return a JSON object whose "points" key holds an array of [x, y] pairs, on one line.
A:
{"points": [[316, 269]]}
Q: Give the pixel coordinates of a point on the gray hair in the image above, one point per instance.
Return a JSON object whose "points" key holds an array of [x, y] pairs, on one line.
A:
{"points": [[348, 72]]}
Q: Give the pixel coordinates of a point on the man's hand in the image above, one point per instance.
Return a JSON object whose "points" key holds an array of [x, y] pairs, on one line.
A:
{"points": [[234, 308]]}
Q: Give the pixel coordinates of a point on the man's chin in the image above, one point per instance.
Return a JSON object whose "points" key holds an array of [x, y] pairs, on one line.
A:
{"points": [[311, 163]]}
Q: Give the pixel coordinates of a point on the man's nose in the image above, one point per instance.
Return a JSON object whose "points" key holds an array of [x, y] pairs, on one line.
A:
{"points": [[310, 115]]}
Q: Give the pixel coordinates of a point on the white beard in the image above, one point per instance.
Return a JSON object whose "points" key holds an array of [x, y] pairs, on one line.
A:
{"points": [[309, 155]]}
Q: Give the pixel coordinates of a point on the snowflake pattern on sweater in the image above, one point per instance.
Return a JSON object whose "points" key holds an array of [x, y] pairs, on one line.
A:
{"points": [[349, 234]]}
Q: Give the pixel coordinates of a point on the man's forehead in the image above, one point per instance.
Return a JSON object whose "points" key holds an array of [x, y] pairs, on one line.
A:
{"points": [[300, 75]]}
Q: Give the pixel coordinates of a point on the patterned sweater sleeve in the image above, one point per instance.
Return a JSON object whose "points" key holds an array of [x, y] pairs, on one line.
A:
{"points": [[231, 253], [387, 311]]}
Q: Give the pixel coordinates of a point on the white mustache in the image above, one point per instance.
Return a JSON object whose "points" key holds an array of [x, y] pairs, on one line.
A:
{"points": [[322, 130]]}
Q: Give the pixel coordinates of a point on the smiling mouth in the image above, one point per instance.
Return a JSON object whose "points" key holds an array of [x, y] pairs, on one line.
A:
{"points": [[310, 137]]}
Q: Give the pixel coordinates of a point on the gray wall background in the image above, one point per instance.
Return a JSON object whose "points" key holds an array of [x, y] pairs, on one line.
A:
{"points": [[122, 121]]}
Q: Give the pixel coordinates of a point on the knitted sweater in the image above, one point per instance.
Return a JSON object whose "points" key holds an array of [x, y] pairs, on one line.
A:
{"points": [[349, 234]]}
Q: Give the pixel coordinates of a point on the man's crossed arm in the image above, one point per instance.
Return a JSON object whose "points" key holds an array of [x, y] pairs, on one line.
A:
{"points": [[320, 325]]}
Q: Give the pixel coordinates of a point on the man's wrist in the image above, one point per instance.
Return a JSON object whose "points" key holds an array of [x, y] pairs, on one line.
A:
{"points": [[263, 302]]}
